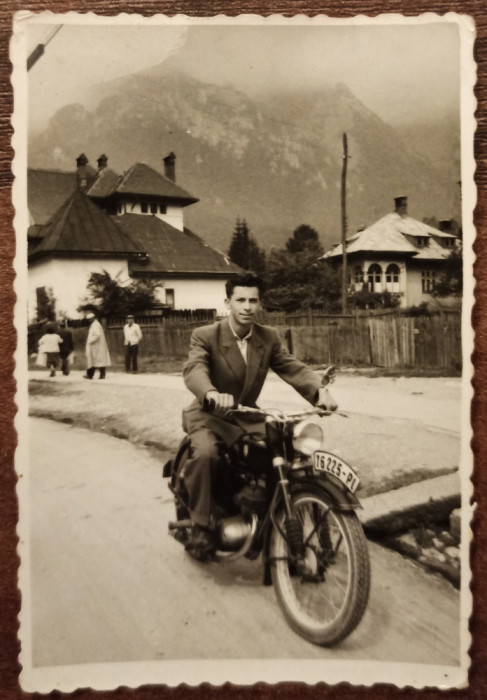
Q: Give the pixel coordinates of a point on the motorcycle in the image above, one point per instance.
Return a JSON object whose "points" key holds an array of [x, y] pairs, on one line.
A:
{"points": [[282, 495]]}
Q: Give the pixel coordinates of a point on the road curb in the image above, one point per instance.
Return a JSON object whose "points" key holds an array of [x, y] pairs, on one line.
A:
{"points": [[419, 503]]}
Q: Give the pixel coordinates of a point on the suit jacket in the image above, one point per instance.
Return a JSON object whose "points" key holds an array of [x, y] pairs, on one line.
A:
{"points": [[67, 346], [215, 363]]}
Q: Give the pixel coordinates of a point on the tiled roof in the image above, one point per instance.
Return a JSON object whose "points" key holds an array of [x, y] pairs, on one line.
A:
{"points": [[392, 234], [140, 179], [79, 226], [105, 183], [171, 250], [47, 190]]}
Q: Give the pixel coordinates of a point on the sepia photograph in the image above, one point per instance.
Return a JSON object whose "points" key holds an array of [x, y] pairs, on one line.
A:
{"points": [[244, 279]]}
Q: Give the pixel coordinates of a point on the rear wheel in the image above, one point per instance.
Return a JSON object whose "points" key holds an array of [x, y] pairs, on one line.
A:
{"points": [[325, 600], [180, 494]]}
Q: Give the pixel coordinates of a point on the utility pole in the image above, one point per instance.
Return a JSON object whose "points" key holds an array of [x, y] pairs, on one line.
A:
{"points": [[344, 223]]}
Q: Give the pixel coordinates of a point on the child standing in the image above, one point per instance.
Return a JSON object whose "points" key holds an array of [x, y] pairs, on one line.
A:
{"points": [[49, 344]]}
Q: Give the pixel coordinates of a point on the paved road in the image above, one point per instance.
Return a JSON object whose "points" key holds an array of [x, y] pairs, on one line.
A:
{"points": [[109, 584]]}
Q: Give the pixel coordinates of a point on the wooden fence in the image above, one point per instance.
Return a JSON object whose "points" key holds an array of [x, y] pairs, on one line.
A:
{"points": [[390, 341]]}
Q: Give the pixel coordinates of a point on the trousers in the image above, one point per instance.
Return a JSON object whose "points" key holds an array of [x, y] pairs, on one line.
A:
{"points": [[131, 352], [200, 471]]}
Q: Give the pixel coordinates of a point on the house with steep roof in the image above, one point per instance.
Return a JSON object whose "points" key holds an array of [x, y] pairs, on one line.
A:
{"points": [[131, 225], [397, 254]]}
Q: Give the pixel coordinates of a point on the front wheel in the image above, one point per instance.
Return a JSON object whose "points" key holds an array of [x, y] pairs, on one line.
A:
{"points": [[324, 597]]}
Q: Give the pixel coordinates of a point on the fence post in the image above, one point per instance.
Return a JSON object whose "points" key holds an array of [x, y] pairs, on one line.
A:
{"points": [[289, 340]]}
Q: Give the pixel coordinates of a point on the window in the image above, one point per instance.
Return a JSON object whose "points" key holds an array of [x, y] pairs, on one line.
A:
{"points": [[143, 207], [358, 275], [392, 278], [162, 208], [422, 241], [427, 281], [153, 207], [170, 298], [374, 278]]}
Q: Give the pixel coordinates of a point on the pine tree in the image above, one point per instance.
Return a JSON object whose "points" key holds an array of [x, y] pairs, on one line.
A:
{"points": [[244, 250]]}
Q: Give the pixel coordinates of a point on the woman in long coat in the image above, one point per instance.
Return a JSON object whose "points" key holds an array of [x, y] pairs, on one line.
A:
{"points": [[97, 355]]}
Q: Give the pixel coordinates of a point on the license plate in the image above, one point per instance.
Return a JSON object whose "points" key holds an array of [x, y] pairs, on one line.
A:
{"points": [[331, 464]]}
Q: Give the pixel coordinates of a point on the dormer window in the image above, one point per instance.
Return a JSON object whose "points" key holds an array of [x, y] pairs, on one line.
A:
{"points": [[153, 207], [162, 208], [144, 207], [421, 241]]}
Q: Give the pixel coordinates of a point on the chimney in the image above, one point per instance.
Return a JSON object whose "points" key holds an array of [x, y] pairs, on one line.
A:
{"points": [[81, 161], [445, 225], [170, 167], [83, 171], [102, 161], [401, 206]]}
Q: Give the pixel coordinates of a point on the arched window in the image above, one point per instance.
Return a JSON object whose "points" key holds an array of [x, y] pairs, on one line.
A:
{"points": [[374, 278], [392, 278]]}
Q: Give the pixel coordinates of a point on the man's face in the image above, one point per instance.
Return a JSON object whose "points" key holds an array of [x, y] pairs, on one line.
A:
{"points": [[130, 321], [243, 305]]}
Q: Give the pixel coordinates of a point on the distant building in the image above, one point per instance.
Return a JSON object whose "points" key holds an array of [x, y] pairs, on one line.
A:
{"points": [[130, 225], [397, 254]]}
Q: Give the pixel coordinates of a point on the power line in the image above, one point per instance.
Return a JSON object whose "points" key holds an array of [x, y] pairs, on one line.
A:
{"points": [[35, 55]]}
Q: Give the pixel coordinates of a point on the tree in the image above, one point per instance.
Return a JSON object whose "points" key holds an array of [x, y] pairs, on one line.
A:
{"points": [[111, 297], [305, 238], [299, 280], [295, 277], [46, 304], [244, 250], [451, 276]]}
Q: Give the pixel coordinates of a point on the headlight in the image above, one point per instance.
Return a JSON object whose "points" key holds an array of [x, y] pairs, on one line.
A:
{"points": [[307, 437]]}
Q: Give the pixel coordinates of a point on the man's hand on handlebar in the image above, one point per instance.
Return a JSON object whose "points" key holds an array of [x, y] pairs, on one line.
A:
{"points": [[326, 400], [220, 403]]}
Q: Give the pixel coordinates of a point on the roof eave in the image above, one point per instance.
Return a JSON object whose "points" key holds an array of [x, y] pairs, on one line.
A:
{"points": [[180, 274], [76, 254]]}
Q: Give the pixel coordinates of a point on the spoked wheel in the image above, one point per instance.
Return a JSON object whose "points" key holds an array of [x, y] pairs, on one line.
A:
{"points": [[325, 600]]}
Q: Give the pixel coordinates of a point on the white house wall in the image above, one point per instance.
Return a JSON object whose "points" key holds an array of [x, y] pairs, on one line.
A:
{"points": [[173, 215], [403, 273], [68, 280], [196, 293]]}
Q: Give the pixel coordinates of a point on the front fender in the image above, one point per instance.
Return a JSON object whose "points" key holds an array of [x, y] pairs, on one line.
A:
{"points": [[339, 497]]}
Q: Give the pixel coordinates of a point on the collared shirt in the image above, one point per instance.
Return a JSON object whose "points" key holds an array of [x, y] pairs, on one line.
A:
{"points": [[242, 342], [132, 334]]}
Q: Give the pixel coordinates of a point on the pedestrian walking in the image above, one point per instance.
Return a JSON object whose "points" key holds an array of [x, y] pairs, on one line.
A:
{"points": [[67, 346], [132, 336], [49, 345], [97, 355]]}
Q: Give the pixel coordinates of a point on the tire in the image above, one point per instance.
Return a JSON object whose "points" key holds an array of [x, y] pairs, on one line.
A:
{"points": [[180, 493], [328, 604]]}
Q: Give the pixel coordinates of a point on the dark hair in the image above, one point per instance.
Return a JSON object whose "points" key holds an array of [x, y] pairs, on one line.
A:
{"points": [[245, 280]]}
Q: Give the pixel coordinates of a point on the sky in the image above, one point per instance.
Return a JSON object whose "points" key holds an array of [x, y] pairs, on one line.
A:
{"points": [[402, 72]]}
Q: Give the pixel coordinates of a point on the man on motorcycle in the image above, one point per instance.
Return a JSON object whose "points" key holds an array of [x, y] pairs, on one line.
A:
{"points": [[227, 364]]}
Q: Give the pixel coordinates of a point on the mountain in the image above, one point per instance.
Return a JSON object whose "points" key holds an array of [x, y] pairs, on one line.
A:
{"points": [[274, 160]]}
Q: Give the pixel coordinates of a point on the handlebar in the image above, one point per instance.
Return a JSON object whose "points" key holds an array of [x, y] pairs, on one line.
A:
{"points": [[280, 415]]}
